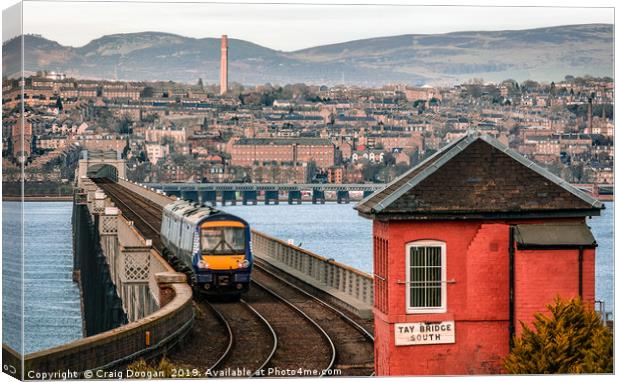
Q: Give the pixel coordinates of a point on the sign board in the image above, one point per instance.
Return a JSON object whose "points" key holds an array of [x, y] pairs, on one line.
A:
{"points": [[424, 333]]}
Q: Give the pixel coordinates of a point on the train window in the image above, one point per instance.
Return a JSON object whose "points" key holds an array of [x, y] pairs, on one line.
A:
{"points": [[222, 240]]}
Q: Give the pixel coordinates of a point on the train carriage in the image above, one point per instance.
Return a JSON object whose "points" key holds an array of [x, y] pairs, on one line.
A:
{"points": [[213, 246]]}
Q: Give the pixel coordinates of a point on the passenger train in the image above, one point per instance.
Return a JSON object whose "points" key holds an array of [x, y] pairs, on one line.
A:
{"points": [[212, 246]]}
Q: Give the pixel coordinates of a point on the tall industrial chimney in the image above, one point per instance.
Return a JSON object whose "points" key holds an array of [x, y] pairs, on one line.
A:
{"points": [[590, 115], [224, 66]]}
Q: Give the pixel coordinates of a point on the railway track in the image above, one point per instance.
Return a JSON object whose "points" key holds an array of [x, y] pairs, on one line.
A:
{"points": [[354, 344], [249, 352], [278, 328], [300, 335], [145, 214]]}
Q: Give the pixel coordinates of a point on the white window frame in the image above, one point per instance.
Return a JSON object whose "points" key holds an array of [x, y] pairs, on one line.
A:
{"points": [[444, 294]]}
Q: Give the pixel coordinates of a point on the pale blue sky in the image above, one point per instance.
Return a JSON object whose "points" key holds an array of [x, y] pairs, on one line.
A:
{"points": [[290, 27]]}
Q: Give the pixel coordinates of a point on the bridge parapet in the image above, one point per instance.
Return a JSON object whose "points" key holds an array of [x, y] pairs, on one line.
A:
{"points": [[165, 327], [129, 258], [166, 187], [150, 193], [347, 286]]}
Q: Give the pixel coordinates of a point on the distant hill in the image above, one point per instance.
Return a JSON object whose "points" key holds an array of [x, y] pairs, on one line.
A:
{"points": [[542, 54]]}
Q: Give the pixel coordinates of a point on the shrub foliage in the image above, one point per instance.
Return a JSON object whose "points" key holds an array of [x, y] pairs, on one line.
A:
{"points": [[571, 339], [164, 366]]}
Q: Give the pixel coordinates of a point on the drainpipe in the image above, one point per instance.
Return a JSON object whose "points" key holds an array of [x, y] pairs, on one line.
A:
{"points": [[581, 273], [511, 285]]}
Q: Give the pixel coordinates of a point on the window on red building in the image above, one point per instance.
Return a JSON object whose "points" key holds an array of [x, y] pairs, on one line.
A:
{"points": [[426, 275]]}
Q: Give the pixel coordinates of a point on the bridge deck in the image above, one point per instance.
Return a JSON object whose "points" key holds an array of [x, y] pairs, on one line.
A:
{"points": [[305, 332], [265, 186]]}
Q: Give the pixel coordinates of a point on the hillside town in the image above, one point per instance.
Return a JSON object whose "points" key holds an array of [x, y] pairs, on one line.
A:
{"points": [[438, 202], [173, 132]]}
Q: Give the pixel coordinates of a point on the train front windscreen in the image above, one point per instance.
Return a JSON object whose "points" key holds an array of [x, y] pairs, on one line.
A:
{"points": [[222, 240]]}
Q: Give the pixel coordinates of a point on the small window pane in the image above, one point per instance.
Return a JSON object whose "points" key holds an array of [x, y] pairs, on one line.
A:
{"points": [[425, 272]]}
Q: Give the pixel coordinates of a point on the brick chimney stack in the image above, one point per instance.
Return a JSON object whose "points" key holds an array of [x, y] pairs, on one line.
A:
{"points": [[590, 115], [224, 66]]}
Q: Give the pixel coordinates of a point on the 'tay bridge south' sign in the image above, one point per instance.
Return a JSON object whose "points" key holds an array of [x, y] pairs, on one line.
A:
{"points": [[424, 333]]}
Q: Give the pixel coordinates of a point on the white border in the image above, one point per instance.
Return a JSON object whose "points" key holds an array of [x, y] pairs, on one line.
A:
{"points": [[444, 289]]}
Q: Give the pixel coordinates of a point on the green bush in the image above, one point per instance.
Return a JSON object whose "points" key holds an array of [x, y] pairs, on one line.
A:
{"points": [[572, 339], [164, 365]]}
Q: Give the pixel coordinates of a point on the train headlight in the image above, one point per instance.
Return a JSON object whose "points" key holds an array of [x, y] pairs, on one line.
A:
{"points": [[243, 264], [202, 264]]}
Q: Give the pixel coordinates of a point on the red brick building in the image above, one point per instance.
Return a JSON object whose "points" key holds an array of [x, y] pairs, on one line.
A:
{"points": [[290, 151], [467, 245]]}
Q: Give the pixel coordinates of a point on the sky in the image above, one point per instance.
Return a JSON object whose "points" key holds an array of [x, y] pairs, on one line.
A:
{"points": [[290, 27]]}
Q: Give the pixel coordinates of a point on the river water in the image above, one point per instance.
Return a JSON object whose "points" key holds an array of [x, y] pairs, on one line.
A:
{"points": [[336, 231], [53, 315]]}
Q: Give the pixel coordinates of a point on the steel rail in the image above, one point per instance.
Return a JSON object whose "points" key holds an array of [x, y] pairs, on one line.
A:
{"points": [[114, 193], [231, 338], [229, 352], [273, 334], [343, 315], [126, 199], [326, 336], [113, 188]]}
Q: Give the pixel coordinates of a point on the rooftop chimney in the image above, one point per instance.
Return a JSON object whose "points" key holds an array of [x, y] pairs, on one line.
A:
{"points": [[224, 66], [589, 115]]}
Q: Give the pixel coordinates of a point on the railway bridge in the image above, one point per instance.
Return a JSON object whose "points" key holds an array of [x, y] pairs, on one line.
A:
{"points": [[304, 314], [296, 193], [270, 193]]}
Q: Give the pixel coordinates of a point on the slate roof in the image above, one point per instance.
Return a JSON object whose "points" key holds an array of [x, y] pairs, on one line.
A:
{"points": [[477, 177]]}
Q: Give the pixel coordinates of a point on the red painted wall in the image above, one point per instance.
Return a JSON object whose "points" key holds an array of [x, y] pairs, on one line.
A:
{"points": [[541, 276], [477, 298]]}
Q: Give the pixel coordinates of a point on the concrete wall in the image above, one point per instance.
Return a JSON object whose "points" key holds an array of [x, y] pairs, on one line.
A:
{"points": [[147, 192], [349, 286]]}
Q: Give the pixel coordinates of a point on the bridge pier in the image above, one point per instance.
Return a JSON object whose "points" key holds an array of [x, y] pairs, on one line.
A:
{"points": [[272, 196], [342, 197], [294, 196], [318, 196], [229, 196], [208, 197], [249, 196], [207, 192]]}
